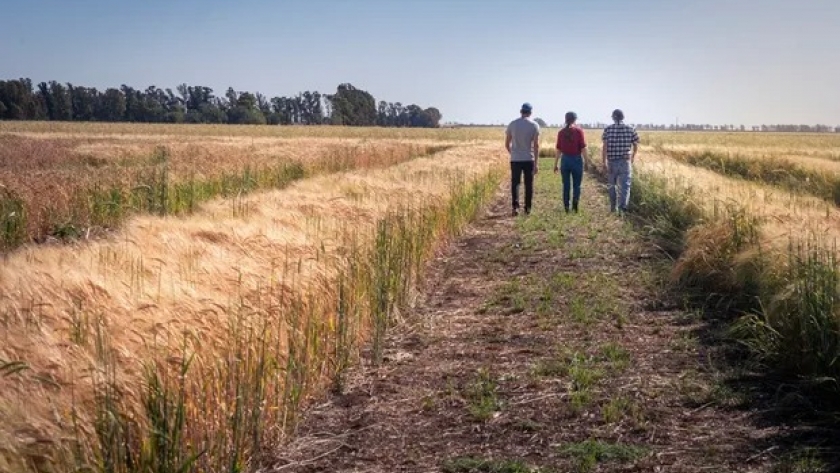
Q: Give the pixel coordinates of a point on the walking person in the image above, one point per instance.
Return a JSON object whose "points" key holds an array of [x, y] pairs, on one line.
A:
{"points": [[522, 141], [571, 153], [621, 143]]}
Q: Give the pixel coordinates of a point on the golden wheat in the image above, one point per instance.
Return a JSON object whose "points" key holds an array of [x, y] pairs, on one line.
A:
{"points": [[160, 278]]}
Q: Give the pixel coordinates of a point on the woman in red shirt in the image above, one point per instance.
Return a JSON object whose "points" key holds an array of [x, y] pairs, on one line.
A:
{"points": [[571, 151]]}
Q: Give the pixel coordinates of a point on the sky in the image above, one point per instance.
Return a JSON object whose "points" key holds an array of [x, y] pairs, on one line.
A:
{"points": [[661, 61]]}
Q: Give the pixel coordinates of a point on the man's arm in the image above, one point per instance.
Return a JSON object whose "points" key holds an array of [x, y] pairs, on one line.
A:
{"points": [[604, 140], [536, 151], [508, 138], [635, 146], [604, 153]]}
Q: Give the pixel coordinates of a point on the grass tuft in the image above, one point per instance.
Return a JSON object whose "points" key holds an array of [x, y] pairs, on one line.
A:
{"points": [[481, 465], [482, 396], [587, 455]]}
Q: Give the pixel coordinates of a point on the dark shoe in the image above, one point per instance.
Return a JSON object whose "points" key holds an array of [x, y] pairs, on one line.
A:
{"points": [[515, 212], [527, 211], [566, 209]]}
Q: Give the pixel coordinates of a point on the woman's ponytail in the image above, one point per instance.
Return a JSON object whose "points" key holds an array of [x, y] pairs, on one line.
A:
{"points": [[571, 117]]}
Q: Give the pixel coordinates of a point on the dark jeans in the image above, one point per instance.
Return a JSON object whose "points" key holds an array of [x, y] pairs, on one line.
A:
{"points": [[571, 170], [517, 169]]}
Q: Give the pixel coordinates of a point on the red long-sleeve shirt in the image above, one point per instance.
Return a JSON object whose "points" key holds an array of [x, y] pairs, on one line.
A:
{"points": [[572, 144]]}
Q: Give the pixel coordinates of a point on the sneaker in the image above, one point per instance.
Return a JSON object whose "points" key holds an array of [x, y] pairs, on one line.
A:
{"points": [[515, 213]]}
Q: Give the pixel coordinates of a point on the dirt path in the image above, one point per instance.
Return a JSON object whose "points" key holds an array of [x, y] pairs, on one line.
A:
{"points": [[541, 344]]}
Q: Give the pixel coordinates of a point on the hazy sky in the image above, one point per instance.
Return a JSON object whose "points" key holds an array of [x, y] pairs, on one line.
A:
{"points": [[709, 61]]}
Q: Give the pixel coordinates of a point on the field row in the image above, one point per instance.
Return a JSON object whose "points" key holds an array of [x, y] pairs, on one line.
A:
{"points": [[194, 341], [753, 251], [799, 174], [68, 187]]}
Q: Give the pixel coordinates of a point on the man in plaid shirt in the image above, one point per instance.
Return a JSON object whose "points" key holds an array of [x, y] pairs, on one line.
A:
{"points": [[621, 142]]}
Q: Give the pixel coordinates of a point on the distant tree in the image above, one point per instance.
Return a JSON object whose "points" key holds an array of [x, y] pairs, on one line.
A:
{"points": [[352, 106], [19, 102], [382, 113], [111, 106], [434, 116], [83, 101], [244, 109], [541, 122], [281, 111], [397, 115], [212, 113], [133, 112], [153, 105], [263, 104], [58, 101], [313, 106]]}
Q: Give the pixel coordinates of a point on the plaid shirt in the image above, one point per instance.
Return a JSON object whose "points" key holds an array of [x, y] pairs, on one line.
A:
{"points": [[619, 139]]}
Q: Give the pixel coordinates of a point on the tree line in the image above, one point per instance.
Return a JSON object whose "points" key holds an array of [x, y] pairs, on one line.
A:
{"points": [[684, 127], [20, 99], [730, 127]]}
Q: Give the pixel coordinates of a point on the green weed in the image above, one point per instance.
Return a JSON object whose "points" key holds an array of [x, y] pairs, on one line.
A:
{"points": [[804, 460], [482, 396], [620, 408], [481, 465], [588, 454], [12, 220], [617, 357]]}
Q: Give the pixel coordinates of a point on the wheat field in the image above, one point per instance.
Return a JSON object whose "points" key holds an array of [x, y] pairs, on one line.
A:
{"points": [[171, 296], [753, 221], [213, 326]]}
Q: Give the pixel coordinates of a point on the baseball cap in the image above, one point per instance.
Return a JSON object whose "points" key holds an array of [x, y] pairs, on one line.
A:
{"points": [[526, 107], [618, 114]]}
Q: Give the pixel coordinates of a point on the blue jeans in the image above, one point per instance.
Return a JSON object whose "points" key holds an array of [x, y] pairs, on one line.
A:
{"points": [[620, 175], [571, 170]]}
